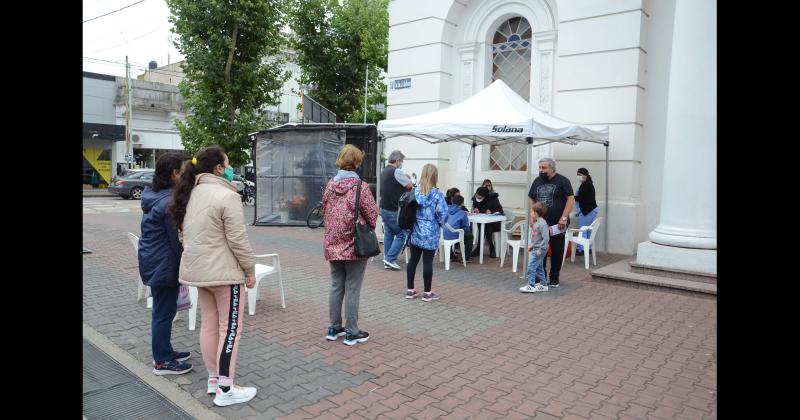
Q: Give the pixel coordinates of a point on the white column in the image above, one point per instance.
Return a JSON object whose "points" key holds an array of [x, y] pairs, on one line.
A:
{"points": [[686, 237], [467, 56], [542, 64]]}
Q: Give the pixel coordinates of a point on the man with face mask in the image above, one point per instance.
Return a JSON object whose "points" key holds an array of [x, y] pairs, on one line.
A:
{"points": [[554, 191], [394, 182]]}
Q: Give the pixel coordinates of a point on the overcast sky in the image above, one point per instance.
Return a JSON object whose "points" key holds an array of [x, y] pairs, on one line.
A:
{"points": [[140, 31]]}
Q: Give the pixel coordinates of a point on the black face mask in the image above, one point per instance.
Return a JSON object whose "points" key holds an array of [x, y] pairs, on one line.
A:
{"points": [[543, 175]]}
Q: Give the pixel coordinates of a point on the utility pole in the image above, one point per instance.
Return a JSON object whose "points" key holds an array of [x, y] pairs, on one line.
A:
{"points": [[366, 82], [127, 110]]}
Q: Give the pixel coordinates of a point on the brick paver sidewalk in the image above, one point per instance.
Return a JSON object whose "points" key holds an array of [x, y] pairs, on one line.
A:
{"points": [[485, 350]]}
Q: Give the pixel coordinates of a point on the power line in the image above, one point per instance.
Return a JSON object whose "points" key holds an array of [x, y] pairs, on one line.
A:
{"points": [[134, 39], [128, 29], [117, 63], [133, 64], [113, 11]]}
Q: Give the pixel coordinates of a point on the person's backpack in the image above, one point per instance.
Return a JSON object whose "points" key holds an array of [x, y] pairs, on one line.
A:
{"points": [[407, 210]]}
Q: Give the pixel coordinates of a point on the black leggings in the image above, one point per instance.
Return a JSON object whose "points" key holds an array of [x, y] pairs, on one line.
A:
{"points": [[427, 267]]}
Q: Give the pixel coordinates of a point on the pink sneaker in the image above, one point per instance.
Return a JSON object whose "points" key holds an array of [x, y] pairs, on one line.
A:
{"points": [[429, 296], [213, 384]]}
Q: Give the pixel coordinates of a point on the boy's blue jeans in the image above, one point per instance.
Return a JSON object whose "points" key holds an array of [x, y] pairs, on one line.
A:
{"points": [[536, 269]]}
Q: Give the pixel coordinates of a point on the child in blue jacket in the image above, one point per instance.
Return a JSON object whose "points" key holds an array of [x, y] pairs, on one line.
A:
{"points": [[457, 218]]}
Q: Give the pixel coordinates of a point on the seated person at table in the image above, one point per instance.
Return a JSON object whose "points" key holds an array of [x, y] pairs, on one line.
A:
{"points": [[457, 218], [491, 192], [487, 203], [452, 192]]}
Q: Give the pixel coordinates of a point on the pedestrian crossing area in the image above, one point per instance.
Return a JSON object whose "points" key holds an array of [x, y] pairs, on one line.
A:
{"points": [[110, 205]]}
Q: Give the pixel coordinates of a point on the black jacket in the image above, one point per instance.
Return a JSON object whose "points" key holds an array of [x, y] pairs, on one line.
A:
{"points": [[490, 202], [159, 248], [585, 197]]}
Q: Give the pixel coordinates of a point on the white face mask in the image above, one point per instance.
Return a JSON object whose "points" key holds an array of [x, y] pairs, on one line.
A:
{"points": [[581, 178], [478, 199]]}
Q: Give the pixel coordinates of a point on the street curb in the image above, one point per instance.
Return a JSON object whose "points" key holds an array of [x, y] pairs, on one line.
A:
{"points": [[90, 193], [168, 389]]}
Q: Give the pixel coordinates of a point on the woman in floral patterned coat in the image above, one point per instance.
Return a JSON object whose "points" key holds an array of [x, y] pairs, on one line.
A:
{"points": [[431, 216], [347, 270]]}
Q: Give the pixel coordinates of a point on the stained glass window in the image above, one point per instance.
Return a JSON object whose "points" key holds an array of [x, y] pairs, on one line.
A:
{"points": [[511, 62]]}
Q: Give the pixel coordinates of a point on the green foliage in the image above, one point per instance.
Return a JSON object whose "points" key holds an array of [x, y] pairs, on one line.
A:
{"points": [[335, 41], [227, 79]]}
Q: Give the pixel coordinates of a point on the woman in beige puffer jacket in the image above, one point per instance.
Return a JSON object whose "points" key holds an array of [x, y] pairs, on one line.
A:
{"points": [[217, 259]]}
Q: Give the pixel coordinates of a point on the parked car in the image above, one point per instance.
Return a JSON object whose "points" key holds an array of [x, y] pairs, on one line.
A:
{"points": [[132, 183]]}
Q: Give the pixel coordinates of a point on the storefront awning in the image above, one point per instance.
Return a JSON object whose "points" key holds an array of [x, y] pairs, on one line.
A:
{"points": [[111, 132]]}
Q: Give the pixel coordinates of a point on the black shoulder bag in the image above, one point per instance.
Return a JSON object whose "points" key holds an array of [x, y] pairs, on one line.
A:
{"points": [[364, 239]]}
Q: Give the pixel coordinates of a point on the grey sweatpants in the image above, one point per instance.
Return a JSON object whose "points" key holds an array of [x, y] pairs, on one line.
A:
{"points": [[346, 279]]}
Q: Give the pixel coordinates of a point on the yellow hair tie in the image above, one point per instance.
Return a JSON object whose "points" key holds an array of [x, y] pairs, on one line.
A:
{"points": [[194, 161]]}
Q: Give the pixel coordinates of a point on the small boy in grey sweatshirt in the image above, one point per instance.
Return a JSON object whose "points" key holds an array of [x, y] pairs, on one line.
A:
{"points": [[538, 242]]}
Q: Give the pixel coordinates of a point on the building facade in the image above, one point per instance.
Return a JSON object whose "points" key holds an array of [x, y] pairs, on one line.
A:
{"points": [[288, 110], [588, 61], [101, 131]]}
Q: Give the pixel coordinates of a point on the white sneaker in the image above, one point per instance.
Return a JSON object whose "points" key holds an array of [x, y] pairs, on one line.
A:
{"points": [[213, 384], [528, 289], [540, 287], [237, 394], [392, 265]]}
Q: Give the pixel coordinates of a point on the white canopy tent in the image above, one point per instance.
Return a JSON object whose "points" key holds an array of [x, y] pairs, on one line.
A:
{"points": [[497, 115]]}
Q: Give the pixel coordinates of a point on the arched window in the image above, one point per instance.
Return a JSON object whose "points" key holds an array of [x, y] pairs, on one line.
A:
{"points": [[511, 62]]}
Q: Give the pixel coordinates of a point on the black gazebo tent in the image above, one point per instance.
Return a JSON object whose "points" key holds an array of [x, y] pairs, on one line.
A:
{"points": [[293, 163]]}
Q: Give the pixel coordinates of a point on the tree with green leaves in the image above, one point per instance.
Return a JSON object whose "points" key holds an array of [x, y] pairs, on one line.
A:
{"points": [[336, 40], [232, 69]]}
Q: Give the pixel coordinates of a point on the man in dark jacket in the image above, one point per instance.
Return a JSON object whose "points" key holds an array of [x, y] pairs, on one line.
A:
{"points": [[487, 202], [555, 192], [159, 261], [394, 182]]}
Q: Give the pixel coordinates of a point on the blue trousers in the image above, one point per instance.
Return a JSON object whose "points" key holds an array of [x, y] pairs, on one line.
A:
{"points": [[393, 236], [165, 306], [586, 220], [536, 268]]}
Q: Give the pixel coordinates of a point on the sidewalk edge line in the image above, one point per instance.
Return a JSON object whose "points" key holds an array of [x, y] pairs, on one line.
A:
{"points": [[165, 387]]}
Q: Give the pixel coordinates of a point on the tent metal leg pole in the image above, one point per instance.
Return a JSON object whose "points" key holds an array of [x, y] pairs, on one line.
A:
{"points": [[528, 155], [605, 235], [472, 184], [378, 154]]}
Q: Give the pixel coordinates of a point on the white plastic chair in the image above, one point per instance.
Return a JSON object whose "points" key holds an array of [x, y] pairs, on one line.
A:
{"points": [[379, 228], [263, 270], [574, 238], [142, 291], [145, 290], [378, 232], [445, 245], [506, 240]]}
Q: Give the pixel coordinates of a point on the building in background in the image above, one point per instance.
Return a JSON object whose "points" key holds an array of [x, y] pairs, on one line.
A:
{"points": [[102, 133], [288, 110], [644, 68]]}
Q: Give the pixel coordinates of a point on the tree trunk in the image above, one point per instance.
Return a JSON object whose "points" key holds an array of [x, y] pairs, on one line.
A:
{"points": [[228, 65]]}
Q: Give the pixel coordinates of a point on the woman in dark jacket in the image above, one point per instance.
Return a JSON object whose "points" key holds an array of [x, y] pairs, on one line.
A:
{"points": [[159, 260], [487, 202], [585, 204]]}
